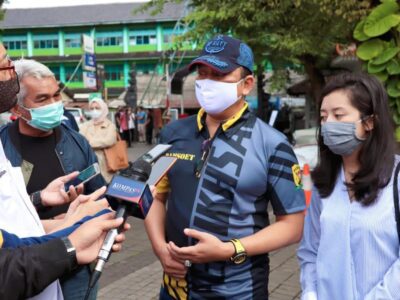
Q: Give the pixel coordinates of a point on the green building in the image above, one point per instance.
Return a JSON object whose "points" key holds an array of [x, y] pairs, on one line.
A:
{"points": [[53, 37]]}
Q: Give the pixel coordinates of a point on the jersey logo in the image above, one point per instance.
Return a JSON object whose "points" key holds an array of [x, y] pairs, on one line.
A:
{"points": [[183, 156], [297, 176]]}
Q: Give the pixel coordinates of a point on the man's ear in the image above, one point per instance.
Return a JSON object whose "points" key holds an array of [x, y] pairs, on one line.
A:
{"points": [[19, 111], [248, 84]]}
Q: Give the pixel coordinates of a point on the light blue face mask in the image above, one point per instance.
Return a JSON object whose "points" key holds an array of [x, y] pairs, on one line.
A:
{"points": [[340, 137], [47, 117]]}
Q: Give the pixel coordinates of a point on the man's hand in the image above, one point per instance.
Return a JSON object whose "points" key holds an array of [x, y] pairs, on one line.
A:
{"points": [[89, 237], [209, 248], [54, 193], [81, 207], [171, 266], [85, 205]]}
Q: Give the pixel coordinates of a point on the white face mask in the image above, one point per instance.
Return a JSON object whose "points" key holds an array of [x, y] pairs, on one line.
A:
{"points": [[95, 113], [216, 96]]}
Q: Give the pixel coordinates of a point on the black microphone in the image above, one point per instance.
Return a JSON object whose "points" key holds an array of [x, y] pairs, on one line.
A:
{"points": [[132, 196]]}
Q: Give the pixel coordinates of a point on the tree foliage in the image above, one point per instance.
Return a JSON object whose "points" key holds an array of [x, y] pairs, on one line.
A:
{"points": [[379, 36], [302, 32]]}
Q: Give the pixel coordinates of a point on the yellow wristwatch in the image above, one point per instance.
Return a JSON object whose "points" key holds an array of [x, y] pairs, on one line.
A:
{"points": [[240, 254]]}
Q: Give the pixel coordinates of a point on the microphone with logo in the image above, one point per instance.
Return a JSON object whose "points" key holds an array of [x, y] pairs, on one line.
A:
{"points": [[132, 197]]}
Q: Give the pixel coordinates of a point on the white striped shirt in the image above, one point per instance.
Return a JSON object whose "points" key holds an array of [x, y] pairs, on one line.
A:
{"points": [[350, 251]]}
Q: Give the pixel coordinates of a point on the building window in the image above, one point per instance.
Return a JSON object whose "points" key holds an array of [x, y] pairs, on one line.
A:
{"points": [[145, 69], [168, 38], [168, 35], [69, 70], [73, 42], [104, 40], [114, 72], [45, 43], [56, 71], [15, 45], [142, 40]]}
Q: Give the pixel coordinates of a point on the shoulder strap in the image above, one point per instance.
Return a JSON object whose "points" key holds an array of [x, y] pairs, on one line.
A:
{"points": [[396, 198], [118, 136]]}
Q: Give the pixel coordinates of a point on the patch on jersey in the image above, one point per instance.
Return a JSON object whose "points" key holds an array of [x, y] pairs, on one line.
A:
{"points": [[297, 176]]}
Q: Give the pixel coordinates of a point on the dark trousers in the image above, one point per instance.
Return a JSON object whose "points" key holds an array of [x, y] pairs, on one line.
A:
{"points": [[149, 136], [132, 134], [126, 137]]}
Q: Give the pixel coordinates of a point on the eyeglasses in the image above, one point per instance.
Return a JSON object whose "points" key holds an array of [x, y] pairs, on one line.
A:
{"points": [[10, 67], [205, 147]]}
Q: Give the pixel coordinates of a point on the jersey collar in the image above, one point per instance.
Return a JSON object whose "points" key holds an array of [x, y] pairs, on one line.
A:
{"points": [[227, 124]]}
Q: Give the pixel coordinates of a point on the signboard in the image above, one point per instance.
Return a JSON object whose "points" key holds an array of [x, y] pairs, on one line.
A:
{"points": [[89, 80], [89, 62], [88, 43]]}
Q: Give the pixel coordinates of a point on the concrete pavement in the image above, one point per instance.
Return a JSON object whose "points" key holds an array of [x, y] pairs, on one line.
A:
{"points": [[135, 273]]}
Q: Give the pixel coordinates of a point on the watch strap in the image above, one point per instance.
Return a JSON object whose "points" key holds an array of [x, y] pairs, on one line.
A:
{"points": [[71, 251], [37, 201], [238, 246]]}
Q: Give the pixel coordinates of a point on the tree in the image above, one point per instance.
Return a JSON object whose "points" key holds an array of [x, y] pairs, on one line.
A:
{"points": [[379, 34], [131, 92], [302, 32]]}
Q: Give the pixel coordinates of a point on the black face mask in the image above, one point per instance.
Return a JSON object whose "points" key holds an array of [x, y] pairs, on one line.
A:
{"points": [[8, 94]]}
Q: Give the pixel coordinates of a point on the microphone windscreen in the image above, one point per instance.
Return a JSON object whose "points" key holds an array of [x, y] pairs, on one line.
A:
{"points": [[143, 167], [138, 170]]}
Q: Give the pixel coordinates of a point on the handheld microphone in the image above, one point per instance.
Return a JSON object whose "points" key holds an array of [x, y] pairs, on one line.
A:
{"points": [[133, 197]]}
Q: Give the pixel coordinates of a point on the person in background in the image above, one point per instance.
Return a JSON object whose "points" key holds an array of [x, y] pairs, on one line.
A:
{"points": [[141, 120], [149, 127], [124, 125], [350, 246], [116, 118], [100, 132], [136, 130], [131, 123]]}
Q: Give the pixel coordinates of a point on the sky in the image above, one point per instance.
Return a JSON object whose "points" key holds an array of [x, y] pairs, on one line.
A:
{"points": [[52, 3]]}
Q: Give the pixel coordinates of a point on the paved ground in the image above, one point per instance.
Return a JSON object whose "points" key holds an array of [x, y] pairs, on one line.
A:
{"points": [[135, 273]]}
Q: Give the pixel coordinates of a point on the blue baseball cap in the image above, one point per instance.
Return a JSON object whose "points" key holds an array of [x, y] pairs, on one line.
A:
{"points": [[225, 54]]}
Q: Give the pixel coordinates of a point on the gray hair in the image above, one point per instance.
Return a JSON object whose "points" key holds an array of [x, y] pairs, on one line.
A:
{"points": [[30, 68]]}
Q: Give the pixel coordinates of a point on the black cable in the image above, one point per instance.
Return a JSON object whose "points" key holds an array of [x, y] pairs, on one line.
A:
{"points": [[88, 291]]}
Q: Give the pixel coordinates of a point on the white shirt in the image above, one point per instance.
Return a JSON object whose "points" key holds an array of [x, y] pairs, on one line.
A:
{"points": [[18, 215], [350, 251], [131, 121]]}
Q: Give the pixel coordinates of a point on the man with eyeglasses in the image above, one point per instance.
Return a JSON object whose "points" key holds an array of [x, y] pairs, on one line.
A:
{"points": [[214, 237], [31, 269], [45, 150]]}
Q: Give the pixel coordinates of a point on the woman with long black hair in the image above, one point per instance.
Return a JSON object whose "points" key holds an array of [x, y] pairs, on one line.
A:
{"points": [[350, 246]]}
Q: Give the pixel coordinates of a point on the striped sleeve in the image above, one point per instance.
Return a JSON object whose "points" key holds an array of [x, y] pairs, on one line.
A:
{"points": [[284, 181]]}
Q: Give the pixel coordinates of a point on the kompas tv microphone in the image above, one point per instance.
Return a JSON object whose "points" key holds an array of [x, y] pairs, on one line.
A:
{"points": [[134, 198]]}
